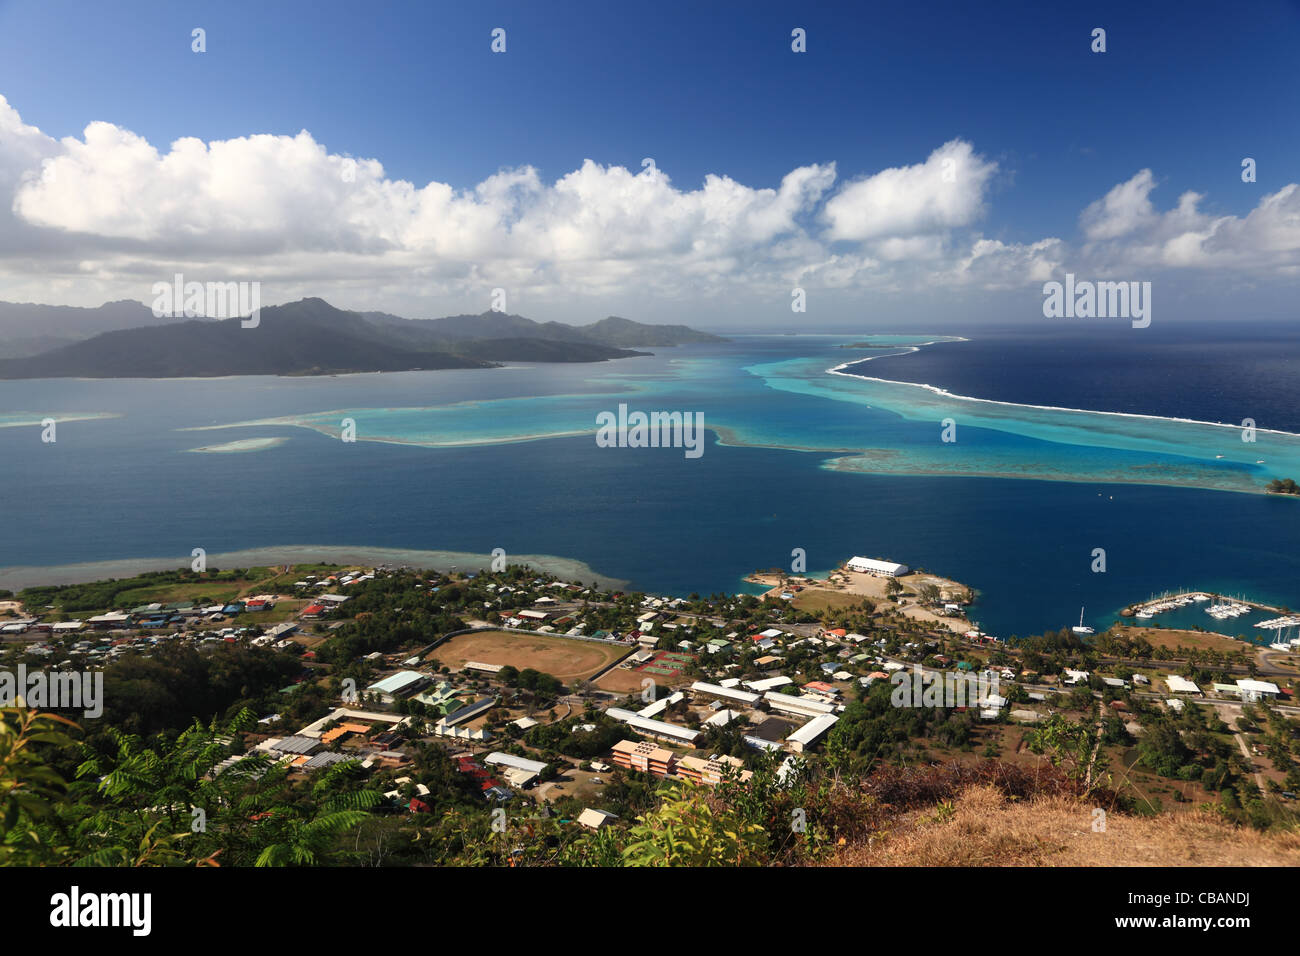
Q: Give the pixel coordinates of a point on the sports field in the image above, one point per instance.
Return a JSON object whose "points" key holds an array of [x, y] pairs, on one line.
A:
{"points": [[665, 669], [558, 656]]}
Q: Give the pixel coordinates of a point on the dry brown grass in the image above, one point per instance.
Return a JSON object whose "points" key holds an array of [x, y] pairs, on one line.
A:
{"points": [[817, 599], [984, 827], [621, 681], [1192, 640], [551, 654]]}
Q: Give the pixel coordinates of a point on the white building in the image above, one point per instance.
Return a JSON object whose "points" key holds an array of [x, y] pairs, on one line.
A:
{"points": [[991, 706], [1253, 690], [654, 728], [401, 684], [595, 819], [725, 693], [881, 569], [798, 706], [808, 734], [723, 717], [1181, 685], [518, 771], [497, 758], [444, 729], [113, 618], [770, 683], [659, 706]]}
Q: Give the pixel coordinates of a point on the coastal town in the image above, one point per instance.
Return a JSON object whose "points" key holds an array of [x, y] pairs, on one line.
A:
{"points": [[506, 440], [553, 695]]}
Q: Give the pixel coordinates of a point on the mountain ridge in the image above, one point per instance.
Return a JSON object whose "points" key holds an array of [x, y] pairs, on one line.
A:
{"points": [[307, 337]]}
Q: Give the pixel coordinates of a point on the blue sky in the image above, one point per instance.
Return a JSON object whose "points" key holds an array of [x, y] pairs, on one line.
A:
{"points": [[1185, 90]]}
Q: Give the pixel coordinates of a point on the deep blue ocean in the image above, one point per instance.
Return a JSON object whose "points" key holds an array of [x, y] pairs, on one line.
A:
{"points": [[1209, 371], [474, 460]]}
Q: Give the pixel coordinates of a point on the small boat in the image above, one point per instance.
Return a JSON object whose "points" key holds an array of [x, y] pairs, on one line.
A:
{"points": [[1081, 628]]}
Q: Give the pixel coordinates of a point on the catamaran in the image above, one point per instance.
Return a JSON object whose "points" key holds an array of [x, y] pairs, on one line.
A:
{"points": [[1082, 628]]}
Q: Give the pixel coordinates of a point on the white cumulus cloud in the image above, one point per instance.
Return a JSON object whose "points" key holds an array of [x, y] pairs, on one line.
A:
{"points": [[944, 192], [107, 213]]}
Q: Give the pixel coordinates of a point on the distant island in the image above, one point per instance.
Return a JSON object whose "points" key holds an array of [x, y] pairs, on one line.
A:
{"points": [[307, 337], [865, 345], [1282, 486]]}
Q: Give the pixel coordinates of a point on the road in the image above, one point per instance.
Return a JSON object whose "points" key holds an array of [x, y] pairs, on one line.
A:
{"points": [[1225, 712]]}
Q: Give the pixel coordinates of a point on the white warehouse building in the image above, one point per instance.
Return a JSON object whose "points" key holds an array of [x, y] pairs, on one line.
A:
{"points": [[798, 706], [808, 734], [655, 728], [518, 771], [498, 758], [1256, 690], [726, 693], [1181, 685], [881, 569]]}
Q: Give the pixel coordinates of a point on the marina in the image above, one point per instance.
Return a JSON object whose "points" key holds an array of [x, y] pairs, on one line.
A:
{"points": [[1283, 642], [1168, 602], [1184, 609]]}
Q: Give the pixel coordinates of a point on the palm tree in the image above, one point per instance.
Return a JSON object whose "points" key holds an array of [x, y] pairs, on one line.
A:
{"points": [[307, 843], [169, 804]]}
